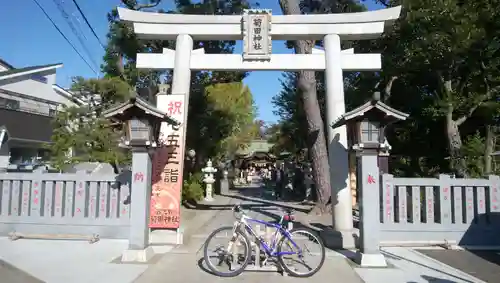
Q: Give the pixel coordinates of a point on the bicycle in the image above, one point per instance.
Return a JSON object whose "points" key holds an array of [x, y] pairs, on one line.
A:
{"points": [[282, 238]]}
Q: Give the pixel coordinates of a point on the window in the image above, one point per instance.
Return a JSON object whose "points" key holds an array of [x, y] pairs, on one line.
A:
{"points": [[52, 112], [9, 103], [369, 131]]}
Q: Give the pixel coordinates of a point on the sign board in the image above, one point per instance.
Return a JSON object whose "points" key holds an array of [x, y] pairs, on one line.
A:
{"points": [[168, 162], [257, 44]]}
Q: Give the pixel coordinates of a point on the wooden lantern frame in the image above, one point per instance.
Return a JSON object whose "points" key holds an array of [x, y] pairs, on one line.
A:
{"points": [[139, 110]]}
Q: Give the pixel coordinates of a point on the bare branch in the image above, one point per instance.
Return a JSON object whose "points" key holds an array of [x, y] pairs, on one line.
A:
{"points": [[486, 96], [471, 111], [388, 87], [146, 6]]}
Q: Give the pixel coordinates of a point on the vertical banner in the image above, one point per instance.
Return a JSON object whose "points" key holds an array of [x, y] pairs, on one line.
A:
{"points": [[168, 162]]}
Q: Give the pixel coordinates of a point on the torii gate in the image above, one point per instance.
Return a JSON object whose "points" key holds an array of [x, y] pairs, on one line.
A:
{"points": [[258, 28]]}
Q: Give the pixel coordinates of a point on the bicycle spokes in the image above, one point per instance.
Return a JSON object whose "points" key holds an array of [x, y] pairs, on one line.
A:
{"points": [[301, 255]]}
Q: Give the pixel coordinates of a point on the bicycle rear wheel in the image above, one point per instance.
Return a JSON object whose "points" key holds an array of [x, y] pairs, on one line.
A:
{"points": [[234, 252], [297, 249]]}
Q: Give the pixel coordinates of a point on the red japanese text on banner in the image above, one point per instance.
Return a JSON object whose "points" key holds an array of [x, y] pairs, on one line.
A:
{"points": [[168, 162]]}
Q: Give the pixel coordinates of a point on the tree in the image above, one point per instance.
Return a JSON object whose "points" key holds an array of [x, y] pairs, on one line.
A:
{"points": [[210, 125], [81, 134], [225, 120], [310, 89], [447, 51], [316, 133], [440, 64]]}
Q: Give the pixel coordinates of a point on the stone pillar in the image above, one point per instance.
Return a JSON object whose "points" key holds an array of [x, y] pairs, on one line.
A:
{"points": [[337, 138], [181, 82], [139, 249], [369, 227]]}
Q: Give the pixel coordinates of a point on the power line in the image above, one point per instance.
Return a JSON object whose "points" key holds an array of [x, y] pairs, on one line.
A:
{"points": [[87, 22], [64, 36], [75, 31]]}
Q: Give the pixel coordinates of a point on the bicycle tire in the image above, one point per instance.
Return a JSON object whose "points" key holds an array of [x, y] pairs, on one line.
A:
{"points": [[248, 253], [292, 272]]}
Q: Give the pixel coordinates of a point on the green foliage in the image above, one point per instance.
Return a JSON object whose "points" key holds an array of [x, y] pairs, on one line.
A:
{"points": [[221, 108], [441, 65], [192, 189], [442, 53], [232, 104], [106, 92], [292, 127], [473, 150], [81, 134]]}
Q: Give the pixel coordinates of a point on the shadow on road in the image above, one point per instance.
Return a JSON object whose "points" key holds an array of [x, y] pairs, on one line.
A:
{"points": [[201, 265], [390, 255]]}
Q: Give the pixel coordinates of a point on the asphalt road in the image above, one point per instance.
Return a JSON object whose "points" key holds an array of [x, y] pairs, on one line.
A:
{"points": [[484, 265]]}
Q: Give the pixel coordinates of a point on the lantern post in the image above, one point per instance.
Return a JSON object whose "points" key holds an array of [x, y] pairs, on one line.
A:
{"points": [[369, 122], [141, 122]]}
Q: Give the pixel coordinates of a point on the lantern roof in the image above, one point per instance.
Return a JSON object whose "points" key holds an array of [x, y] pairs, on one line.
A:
{"points": [[123, 110], [372, 108]]}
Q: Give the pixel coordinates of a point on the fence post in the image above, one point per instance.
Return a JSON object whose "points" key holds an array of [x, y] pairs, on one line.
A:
{"points": [[369, 226], [445, 199], [494, 193], [387, 207]]}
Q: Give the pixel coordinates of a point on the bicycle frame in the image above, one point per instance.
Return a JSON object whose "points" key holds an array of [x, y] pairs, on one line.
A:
{"points": [[271, 250]]}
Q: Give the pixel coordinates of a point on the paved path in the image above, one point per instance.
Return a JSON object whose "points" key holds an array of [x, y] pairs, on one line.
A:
{"points": [[185, 264]]}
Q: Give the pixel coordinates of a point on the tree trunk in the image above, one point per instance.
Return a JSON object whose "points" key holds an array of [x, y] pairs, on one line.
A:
{"points": [[488, 149], [457, 163], [316, 132]]}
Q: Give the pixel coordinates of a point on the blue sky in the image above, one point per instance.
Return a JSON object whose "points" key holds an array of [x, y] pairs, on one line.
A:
{"points": [[28, 39]]}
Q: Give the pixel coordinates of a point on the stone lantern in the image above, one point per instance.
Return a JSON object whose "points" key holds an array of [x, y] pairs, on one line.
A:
{"points": [[142, 127], [368, 123], [209, 180]]}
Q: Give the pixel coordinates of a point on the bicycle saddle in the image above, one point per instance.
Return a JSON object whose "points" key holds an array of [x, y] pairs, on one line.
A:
{"points": [[237, 208]]}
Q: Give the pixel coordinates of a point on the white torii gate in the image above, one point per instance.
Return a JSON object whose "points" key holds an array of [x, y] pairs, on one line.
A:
{"points": [[331, 28]]}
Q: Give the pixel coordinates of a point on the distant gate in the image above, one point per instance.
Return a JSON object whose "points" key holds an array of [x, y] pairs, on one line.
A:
{"points": [[52, 203]]}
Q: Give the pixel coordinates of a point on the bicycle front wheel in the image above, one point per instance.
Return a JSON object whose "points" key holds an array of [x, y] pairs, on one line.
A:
{"points": [[293, 251], [231, 253]]}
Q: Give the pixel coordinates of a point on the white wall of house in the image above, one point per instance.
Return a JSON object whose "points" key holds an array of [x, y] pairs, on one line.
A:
{"points": [[35, 93], [35, 88]]}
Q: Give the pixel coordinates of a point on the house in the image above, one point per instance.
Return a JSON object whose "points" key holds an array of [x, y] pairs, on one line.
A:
{"points": [[29, 99]]}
